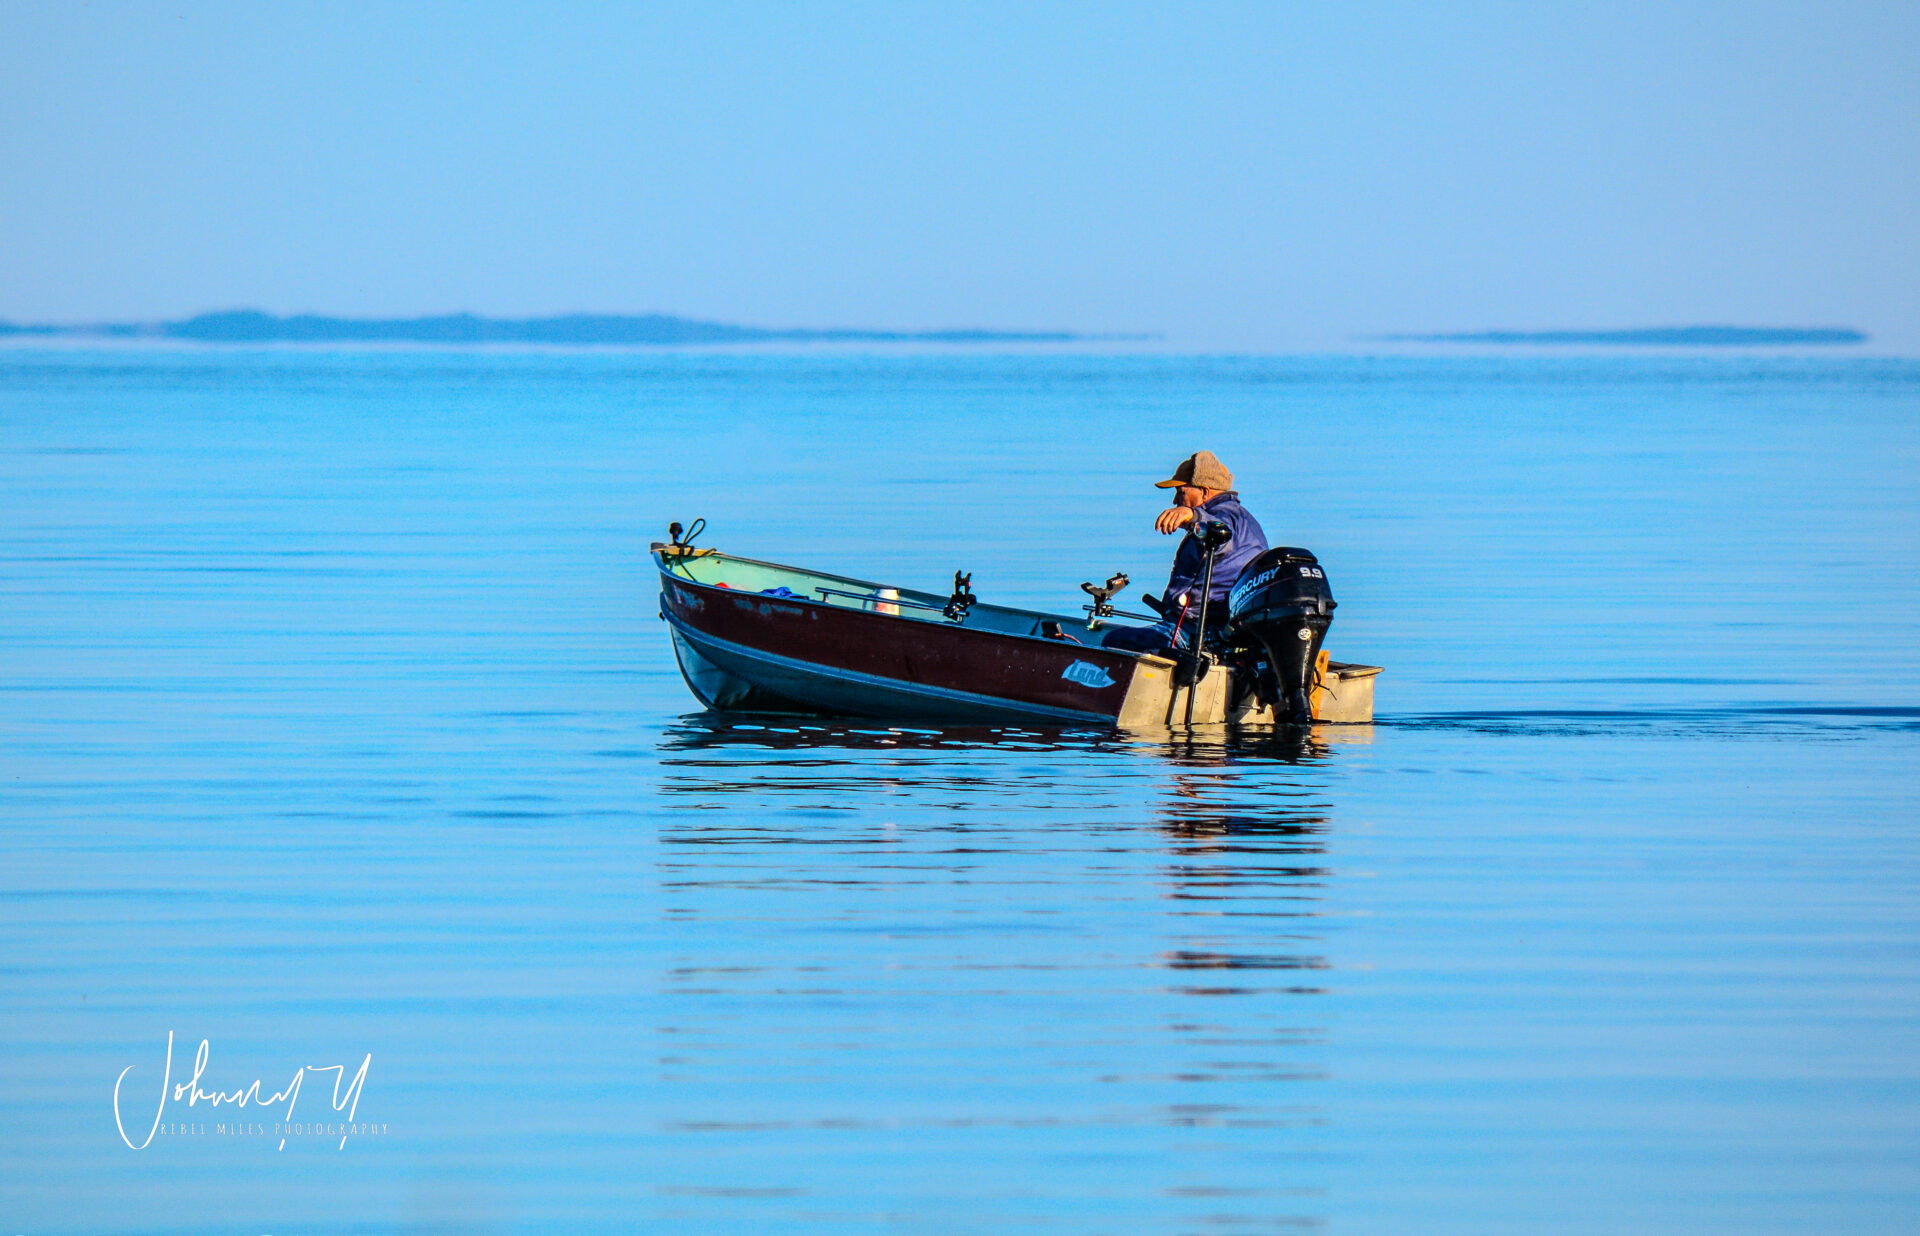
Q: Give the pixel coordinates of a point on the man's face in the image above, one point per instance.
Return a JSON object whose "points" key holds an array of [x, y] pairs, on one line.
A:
{"points": [[1189, 496]]}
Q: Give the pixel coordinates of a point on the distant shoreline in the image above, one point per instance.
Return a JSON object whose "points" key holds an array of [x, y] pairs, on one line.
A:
{"points": [[1656, 336], [252, 326]]}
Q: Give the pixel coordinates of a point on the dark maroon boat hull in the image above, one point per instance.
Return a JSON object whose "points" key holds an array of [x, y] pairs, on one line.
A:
{"points": [[758, 651]]}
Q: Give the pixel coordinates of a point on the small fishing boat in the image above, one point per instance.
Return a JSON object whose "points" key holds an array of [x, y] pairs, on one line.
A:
{"points": [[758, 636]]}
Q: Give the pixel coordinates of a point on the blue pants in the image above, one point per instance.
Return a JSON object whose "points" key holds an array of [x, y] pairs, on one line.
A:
{"points": [[1159, 637], [1156, 638]]}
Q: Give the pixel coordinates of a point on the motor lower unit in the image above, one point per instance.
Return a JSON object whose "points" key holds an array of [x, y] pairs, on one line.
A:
{"points": [[1280, 609]]}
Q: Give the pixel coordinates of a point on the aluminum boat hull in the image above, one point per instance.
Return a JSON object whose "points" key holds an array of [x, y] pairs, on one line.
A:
{"points": [[847, 647]]}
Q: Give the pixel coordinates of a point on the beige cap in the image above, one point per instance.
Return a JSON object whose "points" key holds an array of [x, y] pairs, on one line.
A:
{"points": [[1202, 468]]}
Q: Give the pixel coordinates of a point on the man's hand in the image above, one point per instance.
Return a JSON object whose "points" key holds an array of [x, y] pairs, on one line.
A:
{"points": [[1173, 519]]}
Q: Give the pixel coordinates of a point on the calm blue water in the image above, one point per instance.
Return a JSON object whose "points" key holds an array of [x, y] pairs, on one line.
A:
{"points": [[336, 722]]}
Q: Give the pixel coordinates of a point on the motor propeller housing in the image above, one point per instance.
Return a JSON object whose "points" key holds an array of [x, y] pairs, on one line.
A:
{"points": [[1280, 609]]}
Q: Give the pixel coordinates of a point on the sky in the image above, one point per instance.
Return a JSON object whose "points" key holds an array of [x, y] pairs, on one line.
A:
{"points": [[1233, 176]]}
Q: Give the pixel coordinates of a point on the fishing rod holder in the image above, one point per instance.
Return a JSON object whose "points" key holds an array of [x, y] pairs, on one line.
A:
{"points": [[1102, 606], [962, 599]]}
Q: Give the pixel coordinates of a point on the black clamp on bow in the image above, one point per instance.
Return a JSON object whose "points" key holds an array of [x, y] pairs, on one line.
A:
{"points": [[962, 599]]}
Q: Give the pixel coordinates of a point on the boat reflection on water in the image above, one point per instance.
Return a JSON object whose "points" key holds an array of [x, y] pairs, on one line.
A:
{"points": [[1282, 744], [779, 731], [1260, 860], [1009, 933]]}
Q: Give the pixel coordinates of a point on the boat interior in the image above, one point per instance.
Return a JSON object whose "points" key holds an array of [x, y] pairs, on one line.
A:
{"points": [[718, 570]]}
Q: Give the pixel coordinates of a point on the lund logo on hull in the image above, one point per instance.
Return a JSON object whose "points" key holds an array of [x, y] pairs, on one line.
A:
{"points": [[1087, 674]]}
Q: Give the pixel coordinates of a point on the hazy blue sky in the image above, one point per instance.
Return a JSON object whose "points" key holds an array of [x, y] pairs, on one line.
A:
{"points": [[1259, 175]]}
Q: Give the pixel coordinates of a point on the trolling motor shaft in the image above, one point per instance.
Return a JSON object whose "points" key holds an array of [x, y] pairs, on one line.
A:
{"points": [[1211, 537]]}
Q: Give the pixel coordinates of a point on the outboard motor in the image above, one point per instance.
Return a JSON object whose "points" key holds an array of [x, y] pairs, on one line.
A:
{"points": [[1280, 608]]}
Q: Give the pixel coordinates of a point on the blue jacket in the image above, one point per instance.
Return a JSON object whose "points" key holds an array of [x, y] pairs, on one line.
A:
{"points": [[1190, 563]]}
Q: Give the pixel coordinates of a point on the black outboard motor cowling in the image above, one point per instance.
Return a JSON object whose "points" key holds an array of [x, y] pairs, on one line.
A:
{"points": [[1280, 608]]}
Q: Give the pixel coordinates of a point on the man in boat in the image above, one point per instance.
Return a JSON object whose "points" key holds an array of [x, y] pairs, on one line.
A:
{"points": [[1202, 494]]}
